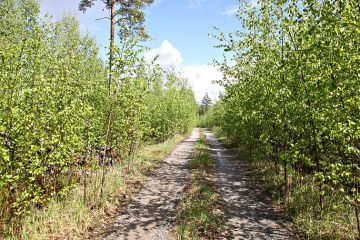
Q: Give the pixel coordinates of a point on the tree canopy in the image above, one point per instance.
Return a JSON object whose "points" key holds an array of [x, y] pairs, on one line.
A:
{"points": [[128, 13]]}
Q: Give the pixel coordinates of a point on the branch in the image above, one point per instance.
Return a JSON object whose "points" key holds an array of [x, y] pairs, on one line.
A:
{"points": [[102, 18]]}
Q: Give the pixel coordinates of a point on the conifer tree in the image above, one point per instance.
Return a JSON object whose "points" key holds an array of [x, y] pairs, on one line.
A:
{"points": [[206, 103], [129, 17]]}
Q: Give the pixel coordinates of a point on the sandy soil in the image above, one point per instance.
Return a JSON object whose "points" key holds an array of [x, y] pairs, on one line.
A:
{"points": [[248, 212], [151, 213]]}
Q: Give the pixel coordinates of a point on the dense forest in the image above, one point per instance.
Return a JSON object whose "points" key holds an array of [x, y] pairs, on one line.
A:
{"points": [[58, 116], [291, 75]]}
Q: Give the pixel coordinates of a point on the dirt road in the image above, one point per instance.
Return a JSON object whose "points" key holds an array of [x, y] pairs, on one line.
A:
{"points": [[248, 214], [151, 212]]}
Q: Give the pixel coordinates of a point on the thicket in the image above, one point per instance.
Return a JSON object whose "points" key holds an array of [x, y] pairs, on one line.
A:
{"points": [[292, 101], [58, 120]]}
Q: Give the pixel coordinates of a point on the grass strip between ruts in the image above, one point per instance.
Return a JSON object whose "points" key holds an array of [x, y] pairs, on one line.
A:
{"points": [[199, 215]]}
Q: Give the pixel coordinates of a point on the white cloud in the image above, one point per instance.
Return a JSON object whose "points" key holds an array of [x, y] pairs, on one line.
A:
{"points": [[201, 80], [168, 56], [200, 77], [230, 11]]}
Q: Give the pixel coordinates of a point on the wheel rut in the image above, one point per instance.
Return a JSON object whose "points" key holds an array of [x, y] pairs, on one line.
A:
{"points": [[151, 213], [248, 214]]}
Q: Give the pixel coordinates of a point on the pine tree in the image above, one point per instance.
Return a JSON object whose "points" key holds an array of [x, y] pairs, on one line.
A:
{"points": [[205, 103], [130, 19]]}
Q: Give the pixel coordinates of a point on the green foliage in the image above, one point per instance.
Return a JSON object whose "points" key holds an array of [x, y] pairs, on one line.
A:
{"points": [[292, 96], [56, 111], [74, 219], [129, 16], [45, 103], [171, 105], [209, 118]]}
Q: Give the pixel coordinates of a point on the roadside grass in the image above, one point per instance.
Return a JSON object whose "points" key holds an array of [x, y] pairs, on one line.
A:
{"points": [[71, 218], [199, 214], [337, 220]]}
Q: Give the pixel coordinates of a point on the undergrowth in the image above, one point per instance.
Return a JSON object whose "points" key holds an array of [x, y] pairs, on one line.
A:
{"points": [[71, 218], [336, 221]]}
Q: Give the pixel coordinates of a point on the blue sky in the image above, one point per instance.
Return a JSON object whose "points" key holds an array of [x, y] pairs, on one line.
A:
{"points": [[186, 24], [179, 29]]}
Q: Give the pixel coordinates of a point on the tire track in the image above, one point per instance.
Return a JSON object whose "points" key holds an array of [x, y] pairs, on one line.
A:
{"points": [[151, 213], [248, 214]]}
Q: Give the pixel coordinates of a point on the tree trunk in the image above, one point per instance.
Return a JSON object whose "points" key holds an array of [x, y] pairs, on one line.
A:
{"points": [[108, 128], [112, 39]]}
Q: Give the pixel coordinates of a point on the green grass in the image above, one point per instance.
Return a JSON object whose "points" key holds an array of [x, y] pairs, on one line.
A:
{"points": [[70, 218], [201, 160], [198, 216]]}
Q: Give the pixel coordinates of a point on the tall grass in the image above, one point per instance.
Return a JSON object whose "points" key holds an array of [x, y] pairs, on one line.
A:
{"points": [[71, 218]]}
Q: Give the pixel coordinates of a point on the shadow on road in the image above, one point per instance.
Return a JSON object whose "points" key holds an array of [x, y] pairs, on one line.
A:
{"points": [[151, 213], [248, 211]]}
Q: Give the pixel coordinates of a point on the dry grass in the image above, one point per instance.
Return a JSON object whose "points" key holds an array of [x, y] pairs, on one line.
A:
{"points": [[71, 218]]}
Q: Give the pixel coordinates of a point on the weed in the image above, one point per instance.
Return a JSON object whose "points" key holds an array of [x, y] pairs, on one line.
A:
{"points": [[197, 218]]}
